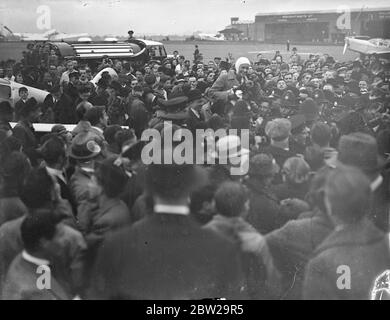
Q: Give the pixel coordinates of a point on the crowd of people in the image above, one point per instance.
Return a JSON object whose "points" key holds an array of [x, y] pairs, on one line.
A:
{"points": [[108, 226]]}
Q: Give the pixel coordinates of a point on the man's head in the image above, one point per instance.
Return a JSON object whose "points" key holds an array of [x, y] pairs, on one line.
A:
{"points": [[111, 177], [31, 111], [84, 93], [39, 190], [133, 83], [14, 167], [82, 108], [359, 150], [231, 200], [278, 129], [23, 93], [70, 66], [137, 91], [274, 65], [97, 116], [347, 195], [321, 134], [54, 153], [281, 84], [41, 234], [288, 78]]}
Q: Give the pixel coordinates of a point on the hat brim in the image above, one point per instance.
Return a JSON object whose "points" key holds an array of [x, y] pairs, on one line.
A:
{"points": [[238, 154], [94, 154]]}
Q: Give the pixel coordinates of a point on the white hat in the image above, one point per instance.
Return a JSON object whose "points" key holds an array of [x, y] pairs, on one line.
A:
{"points": [[240, 61], [229, 147]]}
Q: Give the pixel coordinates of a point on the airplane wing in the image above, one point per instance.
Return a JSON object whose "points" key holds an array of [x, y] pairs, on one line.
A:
{"points": [[373, 46], [32, 37], [61, 36]]}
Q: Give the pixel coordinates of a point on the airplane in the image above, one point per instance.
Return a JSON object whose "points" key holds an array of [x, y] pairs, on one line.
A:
{"points": [[365, 45], [209, 36], [51, 35]]}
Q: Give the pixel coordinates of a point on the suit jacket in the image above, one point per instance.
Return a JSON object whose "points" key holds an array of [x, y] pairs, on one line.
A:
{"points": [[138, 116], [19, 105], [64, 109], [21, 283], [70, 260], [25, 132], [220, 88], [280, 155], [362, 248], [265, 212], [293, 245], [100, 216], [167, 256], [80, 185], [11, 208]]}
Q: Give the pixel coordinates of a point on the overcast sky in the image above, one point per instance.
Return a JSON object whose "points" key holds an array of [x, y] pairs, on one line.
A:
{"points": [[115, 17]]}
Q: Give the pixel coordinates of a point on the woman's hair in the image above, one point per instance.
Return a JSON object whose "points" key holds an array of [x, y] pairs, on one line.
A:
{"points": [[230, 199], [296, 170], [111, 176]]}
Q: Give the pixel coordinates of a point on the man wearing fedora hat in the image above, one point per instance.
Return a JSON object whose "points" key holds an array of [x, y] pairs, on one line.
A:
{"points": [[84, 150], [167, 255], [231, 160]]}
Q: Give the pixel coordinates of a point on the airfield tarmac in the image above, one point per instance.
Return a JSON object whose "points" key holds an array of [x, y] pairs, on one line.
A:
{"points": [[216, 49], [250, 50]]}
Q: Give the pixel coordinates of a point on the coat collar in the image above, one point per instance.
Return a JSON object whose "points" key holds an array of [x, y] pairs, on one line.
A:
{"points": [[171, 209], [360, 234], [232, 75], [34, 260]]}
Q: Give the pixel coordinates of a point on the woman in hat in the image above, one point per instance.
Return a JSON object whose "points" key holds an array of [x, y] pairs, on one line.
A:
{"points": [[222, 88]]}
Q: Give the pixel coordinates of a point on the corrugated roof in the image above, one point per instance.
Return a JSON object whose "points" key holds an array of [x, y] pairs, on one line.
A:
{"points": [[319, 11]]}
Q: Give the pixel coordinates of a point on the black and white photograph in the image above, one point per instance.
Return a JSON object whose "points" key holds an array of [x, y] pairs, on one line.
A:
{"points": [[194, 155]]}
